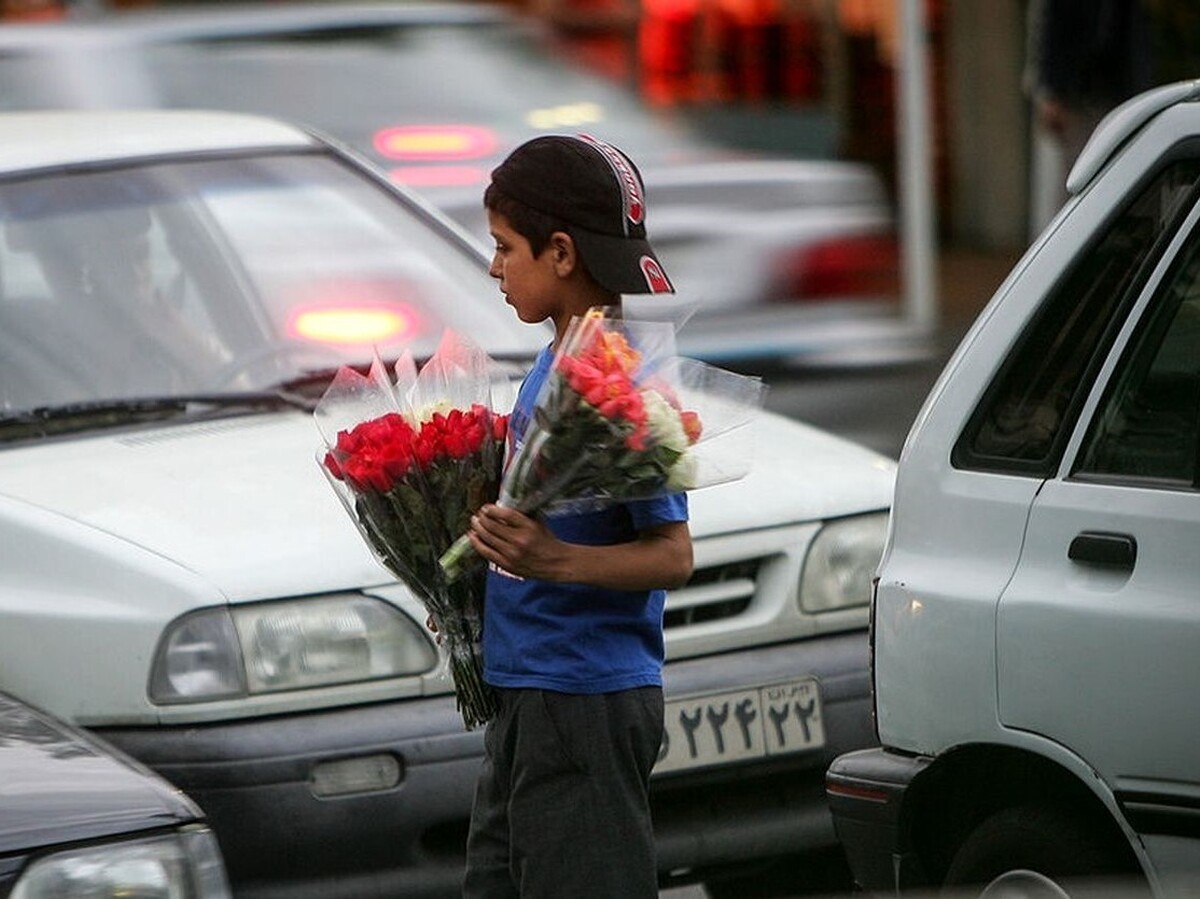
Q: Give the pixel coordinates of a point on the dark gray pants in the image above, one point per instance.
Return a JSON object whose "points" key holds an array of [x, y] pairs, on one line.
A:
{"points": [[562, 804]]}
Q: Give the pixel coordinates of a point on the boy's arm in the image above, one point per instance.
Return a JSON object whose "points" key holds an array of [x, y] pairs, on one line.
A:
{"points": [[660, 556]]}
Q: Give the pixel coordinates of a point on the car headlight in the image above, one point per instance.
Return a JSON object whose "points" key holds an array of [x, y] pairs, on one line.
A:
{"points": [[288, 645], [841, 562], [183, 865]]}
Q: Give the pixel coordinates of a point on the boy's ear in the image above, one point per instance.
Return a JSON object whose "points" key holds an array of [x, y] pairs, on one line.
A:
{"points": [[563, 252]]}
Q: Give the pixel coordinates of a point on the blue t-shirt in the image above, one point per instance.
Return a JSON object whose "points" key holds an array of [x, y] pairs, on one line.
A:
{"points": [[568, 637]]}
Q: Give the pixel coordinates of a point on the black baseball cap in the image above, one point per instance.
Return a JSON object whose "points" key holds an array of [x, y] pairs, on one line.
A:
{"points": [[597, 190]]}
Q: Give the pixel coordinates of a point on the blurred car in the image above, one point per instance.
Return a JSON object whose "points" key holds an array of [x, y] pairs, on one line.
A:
{"points": [[176, 290], [1035, 624], [774, 259], [78, 818]]}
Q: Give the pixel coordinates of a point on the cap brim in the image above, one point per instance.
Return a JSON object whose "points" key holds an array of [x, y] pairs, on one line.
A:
{"points": [[622, 264]]}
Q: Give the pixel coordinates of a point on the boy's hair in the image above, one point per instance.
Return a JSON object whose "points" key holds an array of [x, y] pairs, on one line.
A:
{"points": [[593, 192], [536, 227]]}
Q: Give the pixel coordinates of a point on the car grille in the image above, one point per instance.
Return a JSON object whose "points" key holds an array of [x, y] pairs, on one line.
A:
{"points": [[714, 593]]}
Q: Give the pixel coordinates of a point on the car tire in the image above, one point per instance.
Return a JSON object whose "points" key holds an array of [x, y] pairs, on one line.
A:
{"points": [[1040, 853]]}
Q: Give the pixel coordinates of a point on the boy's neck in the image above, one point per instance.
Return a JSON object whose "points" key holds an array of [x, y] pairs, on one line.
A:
{"points": [[579, 305]]}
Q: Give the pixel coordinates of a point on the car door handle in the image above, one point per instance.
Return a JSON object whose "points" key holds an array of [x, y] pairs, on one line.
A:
{"points": [[1104, 548]]}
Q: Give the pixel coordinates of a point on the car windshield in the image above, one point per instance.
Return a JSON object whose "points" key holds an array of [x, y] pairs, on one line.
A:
{"points": [[508, 83], [223, 276]]}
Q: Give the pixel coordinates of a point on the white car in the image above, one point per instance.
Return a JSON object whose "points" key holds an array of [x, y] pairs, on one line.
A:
{"points": [[1035, 626], [775, 259], [176, 290]]}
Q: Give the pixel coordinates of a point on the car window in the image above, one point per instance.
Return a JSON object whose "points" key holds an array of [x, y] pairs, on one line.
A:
{"points": [[1023, 421], [1147, 424], [224, 275]]}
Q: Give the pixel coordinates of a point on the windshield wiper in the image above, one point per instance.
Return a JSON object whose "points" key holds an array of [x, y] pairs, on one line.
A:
{"points": [[45, 421]]}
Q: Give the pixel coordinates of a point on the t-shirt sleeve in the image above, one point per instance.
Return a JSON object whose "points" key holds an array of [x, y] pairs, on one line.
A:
{"points": [[658, 510]]}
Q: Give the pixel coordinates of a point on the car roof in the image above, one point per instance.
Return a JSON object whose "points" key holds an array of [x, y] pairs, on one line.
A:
{"points": [[1121, 124], [35, 140], [184, 21]]}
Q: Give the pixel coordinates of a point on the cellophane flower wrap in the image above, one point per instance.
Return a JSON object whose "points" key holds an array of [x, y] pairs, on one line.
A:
{"points": [[411, 460], [621, 417]]}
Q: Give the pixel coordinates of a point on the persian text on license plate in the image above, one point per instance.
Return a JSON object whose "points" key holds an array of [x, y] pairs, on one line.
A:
{"points": [[744, 724]]}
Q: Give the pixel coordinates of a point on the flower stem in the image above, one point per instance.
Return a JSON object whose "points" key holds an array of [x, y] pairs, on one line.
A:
{"points": [[476, 700], [454, 560]]}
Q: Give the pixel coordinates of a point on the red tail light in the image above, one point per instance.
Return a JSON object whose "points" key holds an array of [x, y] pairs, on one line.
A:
{"points": [[864, 266], [435, 143], [353, 312], [439, 175], [362, 324], [437, 155]]}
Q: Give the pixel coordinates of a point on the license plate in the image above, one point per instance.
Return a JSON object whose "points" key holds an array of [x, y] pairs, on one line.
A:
{"points": [[721, 728]]}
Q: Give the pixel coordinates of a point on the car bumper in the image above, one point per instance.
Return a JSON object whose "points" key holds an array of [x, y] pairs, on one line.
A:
{"points": [[255, 781], [866, 791], [771, 807]]}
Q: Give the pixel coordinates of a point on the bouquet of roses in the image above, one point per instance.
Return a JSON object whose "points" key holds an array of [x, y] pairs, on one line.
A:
{"points": [[621, 417], [412, 460]]}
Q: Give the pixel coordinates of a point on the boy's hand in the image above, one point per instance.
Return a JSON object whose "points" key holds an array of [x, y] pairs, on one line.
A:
{"points": [[658, 557], [515, 542]]}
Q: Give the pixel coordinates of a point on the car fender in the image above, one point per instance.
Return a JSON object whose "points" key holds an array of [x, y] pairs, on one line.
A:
{"points": [[107, 591], [1032, 745]]}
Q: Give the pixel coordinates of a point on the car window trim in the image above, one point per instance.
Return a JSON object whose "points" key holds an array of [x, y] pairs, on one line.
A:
{"points": [[1131, 332], [1137, 482], [962, 456]]}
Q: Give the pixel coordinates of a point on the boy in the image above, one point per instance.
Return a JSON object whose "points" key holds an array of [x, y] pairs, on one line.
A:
{"points": [[573, 636]]}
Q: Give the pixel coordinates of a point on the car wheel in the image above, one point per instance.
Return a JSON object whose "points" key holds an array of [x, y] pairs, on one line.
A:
{"points": [[1039, 853]]}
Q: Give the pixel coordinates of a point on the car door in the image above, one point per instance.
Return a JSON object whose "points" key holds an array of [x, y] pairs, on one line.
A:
{"points": [[1098, 631]]}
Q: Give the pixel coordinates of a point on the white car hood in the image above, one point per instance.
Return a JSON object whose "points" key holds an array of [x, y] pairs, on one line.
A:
{"points": [[242, 502]]}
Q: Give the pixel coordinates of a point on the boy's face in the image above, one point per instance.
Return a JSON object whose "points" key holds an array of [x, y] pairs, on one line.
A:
{"points": [[530, 284]]}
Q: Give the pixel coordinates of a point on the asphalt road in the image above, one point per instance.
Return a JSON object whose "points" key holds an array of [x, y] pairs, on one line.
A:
{"points": [[873, 407]]}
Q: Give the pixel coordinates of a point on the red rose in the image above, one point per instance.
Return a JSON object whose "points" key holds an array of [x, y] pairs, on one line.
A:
{"points": [[332, 466]]}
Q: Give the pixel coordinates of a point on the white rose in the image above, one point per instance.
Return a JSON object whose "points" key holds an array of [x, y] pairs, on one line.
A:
{"points": [[663, 422], [666, 429]]}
